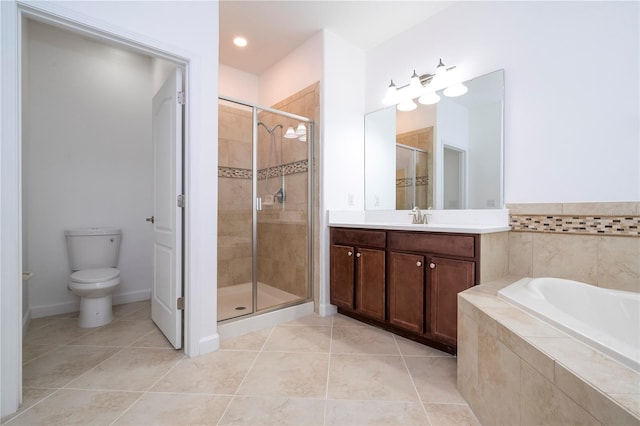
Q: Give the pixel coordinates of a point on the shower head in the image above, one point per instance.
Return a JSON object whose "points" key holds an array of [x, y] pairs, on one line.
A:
{"points": [[270, 130]]}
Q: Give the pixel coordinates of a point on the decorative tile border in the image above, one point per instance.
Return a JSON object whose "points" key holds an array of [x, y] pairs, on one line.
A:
{"points": [[420, 180], [592, 225], [286, 169]]}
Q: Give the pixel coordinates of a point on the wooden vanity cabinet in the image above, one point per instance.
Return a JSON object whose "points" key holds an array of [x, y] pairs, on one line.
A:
{"points": [[417, 297], [358, 269]]}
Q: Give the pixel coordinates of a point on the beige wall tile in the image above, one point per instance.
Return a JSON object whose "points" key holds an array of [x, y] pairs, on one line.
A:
{"points": [[499, 382], [542, 403], [494, 256], [521, 253], [619, 263], [467, 373], [535, 208], [601, 209], [529, 353], [572, 257]]}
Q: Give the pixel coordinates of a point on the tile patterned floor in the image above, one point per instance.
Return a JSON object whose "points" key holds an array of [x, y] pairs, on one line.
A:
{"points": [[312, 371]]}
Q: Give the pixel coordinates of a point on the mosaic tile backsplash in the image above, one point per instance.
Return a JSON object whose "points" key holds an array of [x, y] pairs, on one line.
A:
{"points": [[286, 169], [598, 225]]}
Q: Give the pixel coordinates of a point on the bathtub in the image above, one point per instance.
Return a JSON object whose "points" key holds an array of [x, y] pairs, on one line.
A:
{"points": [[607, 320]]}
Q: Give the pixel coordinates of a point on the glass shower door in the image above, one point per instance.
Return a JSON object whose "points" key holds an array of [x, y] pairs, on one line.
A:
{"points": [[235, 210]]}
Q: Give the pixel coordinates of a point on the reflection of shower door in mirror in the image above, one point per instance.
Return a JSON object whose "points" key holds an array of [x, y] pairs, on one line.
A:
{"points": [[412, 183], [454, 178], [263, 210]]}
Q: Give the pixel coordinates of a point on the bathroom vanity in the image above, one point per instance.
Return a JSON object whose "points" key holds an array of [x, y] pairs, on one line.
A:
{"points": [[405, 281]]}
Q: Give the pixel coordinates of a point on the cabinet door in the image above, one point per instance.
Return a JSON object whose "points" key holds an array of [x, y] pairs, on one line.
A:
{"points": [[370, 277], [447, 278], [406, 291], [342, 276]]}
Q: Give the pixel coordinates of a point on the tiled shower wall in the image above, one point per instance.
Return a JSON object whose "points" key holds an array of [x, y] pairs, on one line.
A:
{"points": [[421, 139], [282, 231], [595, 243]]}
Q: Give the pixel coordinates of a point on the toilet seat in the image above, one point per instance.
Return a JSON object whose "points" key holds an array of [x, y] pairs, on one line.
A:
{"points": [[98, 275]]}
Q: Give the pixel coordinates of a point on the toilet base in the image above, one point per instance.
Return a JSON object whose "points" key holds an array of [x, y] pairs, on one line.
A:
{"points": [[95, 311]]}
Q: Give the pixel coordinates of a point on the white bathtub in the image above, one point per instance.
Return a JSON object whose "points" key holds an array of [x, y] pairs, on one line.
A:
{"points": [[607, 320]]}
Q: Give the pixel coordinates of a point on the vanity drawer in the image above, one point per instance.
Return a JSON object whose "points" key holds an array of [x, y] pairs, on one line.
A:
{"points": [[451, 245], [358, 237]]}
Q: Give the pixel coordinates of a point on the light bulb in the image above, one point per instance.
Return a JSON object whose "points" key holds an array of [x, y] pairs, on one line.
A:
{"points": [[290, 133], [429, 98], [407, 105], [301, 130], [303, 138], [439, 80], [391, 97]]}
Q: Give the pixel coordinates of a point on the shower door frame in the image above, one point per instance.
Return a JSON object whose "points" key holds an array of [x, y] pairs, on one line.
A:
{"points": [[255, 204]]}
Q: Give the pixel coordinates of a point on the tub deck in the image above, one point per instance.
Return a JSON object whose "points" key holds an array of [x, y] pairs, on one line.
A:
{"points": [[514, 368]]}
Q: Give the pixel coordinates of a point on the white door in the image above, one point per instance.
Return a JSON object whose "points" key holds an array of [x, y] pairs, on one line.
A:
{"points": [[167, 215]]}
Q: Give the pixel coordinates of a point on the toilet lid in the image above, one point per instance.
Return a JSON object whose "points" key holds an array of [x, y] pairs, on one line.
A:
{"points": [[95, 275]]}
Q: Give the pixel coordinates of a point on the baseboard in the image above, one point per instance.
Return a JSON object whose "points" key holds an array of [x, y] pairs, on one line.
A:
{"points": [[67, 307], [132, 296], [327, 309], [26, 319], [259, 322], [54, 309], [209, 344]]}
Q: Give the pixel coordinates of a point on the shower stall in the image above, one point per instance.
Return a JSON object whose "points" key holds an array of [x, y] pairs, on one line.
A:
{"points": [[265, 190]]}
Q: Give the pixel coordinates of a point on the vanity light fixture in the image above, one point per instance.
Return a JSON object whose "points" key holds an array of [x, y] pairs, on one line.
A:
{"points": [[301, 130], [424, 87], [290, 133]]}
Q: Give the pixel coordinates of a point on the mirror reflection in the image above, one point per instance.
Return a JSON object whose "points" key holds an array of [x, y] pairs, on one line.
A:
{"points": [[446, 156]]}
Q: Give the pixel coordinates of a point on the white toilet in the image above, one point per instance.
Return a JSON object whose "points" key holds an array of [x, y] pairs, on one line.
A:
{"points": [[93, 256]]}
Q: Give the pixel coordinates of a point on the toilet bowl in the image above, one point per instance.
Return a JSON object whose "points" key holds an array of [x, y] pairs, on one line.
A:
{"points": [[93, 255], [95, 287]]}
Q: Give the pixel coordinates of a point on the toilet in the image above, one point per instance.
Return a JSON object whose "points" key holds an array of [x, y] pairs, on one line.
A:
{"points": [[93, 257]]}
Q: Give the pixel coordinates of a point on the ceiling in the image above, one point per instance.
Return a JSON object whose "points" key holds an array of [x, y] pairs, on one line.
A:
{"points": [[275, 28]]}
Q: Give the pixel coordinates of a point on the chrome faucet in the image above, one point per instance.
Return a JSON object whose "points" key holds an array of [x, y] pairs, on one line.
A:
{"points": [[419, 217]]}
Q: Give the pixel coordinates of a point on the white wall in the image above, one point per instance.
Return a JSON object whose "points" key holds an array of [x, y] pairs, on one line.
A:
{"points": [[571, 85], [238, 84], [87, 160], [484, 156], [452, 130], [299, 69]]}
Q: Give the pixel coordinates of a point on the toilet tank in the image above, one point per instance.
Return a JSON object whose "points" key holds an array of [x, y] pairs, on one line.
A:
{"points": [[90, 248]]}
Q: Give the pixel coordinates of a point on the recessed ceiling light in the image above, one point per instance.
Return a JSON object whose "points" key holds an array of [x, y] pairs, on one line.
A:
{"points": [[240, 41]]}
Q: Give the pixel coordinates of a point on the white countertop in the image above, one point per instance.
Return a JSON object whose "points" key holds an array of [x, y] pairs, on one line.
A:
{"points": [[464, 229], [465, 221]]}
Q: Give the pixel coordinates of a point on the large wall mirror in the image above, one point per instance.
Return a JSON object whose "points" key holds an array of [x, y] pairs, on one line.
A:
{"points": [[446, 156]]}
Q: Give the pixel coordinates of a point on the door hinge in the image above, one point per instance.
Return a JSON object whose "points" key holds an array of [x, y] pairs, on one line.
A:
{"points": [[181, 200], [180, 304], [181, 98]]}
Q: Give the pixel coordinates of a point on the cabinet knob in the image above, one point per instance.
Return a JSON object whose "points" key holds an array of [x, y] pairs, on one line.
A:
{"points": [[418, 263], [432, 265], [349, 253], [358, 254]]}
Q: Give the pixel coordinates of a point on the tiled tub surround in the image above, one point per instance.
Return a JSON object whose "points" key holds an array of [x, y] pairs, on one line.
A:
{"points": [[515, 369], [609, 259]]}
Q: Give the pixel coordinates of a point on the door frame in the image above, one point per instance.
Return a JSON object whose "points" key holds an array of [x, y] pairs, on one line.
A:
{"points": [[12, 14]]}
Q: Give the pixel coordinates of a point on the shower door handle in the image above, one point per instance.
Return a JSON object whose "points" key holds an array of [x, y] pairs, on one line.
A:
{"points": [[259, 203], [151, 219]]}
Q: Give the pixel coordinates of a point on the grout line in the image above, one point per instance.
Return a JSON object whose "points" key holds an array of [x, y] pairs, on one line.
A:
{"points": [[326, 393], [415, 388], [37, 403], [235, 394]]}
